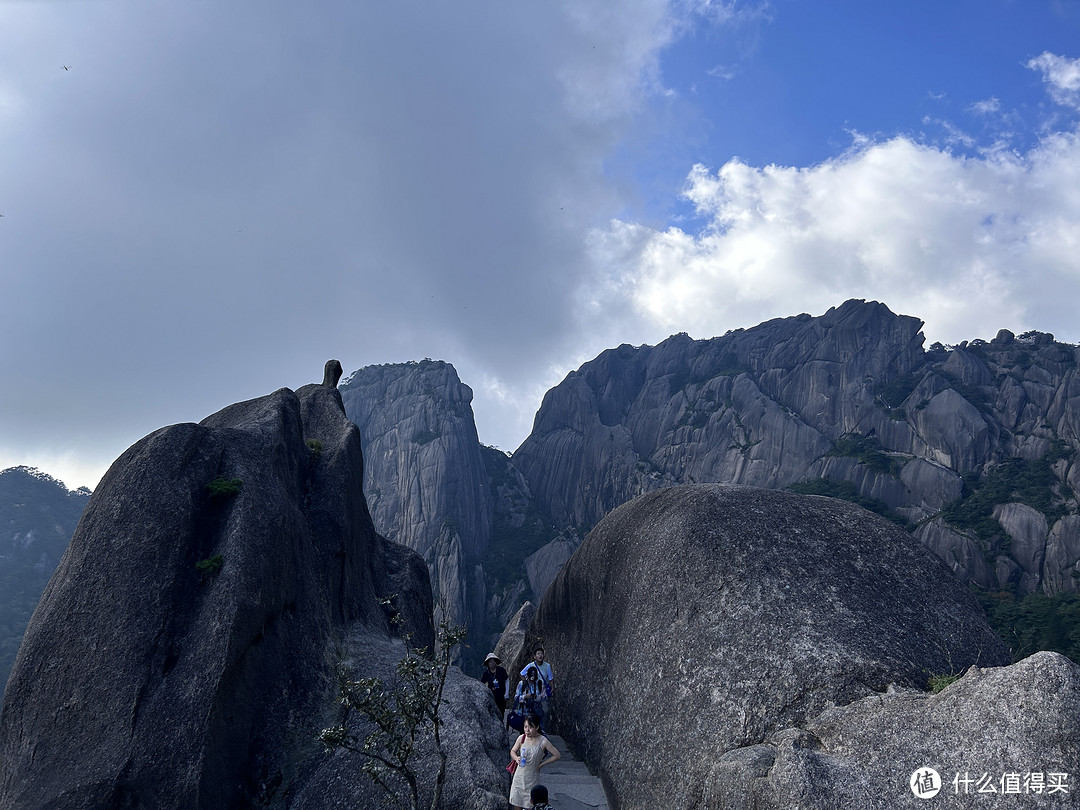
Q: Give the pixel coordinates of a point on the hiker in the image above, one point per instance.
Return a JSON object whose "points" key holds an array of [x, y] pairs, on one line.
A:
{"points": [[543, 669], [529, 696], [531, 752], [539, 797], [497, 681]]}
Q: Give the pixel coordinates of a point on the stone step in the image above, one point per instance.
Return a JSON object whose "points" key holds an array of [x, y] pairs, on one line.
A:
{"points": [[569, 783]]}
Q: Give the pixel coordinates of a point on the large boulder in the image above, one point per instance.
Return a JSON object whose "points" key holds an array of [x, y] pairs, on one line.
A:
{"points": [[183, 653], [702, 619], [1005, 734]]}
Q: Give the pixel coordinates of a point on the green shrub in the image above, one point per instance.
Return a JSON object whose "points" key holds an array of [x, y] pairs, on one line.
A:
{"points": [[847, 491], [939, 682], [222, 487], [315, 448], [211, 565], [1014, 480], [401, 714], [1034, 622], [867, 450], [892, 394]]}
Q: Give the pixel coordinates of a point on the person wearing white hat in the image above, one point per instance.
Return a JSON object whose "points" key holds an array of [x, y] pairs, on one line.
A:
{"points": [[497, 681]]}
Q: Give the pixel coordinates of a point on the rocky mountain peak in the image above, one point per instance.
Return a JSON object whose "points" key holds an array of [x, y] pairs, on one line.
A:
{"points": [[183, 653]]}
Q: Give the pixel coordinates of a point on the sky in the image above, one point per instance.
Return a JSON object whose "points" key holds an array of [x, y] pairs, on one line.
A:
{"points": [[202, 202]]}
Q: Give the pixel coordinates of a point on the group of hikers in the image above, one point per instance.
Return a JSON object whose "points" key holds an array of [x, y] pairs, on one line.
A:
{"points": [[532, 750]]}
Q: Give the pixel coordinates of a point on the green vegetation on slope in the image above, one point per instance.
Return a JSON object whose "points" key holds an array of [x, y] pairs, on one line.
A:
{"points": [[1014, 480], [867, 450], [847, 491], [38, 515], [1035, 622]]}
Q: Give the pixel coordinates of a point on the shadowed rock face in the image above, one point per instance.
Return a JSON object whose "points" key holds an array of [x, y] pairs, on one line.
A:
{"points": [[701, 619], [143, 682], [426, 481]]}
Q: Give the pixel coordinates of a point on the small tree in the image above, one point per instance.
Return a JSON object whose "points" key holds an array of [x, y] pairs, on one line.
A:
{"points": [[402, 713]]}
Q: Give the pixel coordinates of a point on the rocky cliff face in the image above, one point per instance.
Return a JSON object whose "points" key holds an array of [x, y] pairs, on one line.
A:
{"points": [[425, 480], [433, 487], [183, 653], [746, 648], [973, 447]]}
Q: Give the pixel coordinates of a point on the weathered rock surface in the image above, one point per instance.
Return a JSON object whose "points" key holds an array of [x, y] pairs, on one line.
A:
{"points": [[702, 619], [145, 682], [1007, 730], [425, 480], [472, 732], [754, 407], [511, 645], [847, 398], [542, 566]]}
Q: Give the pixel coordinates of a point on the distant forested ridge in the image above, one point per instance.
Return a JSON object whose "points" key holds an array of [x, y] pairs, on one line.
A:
{"points": [[38, 515]]}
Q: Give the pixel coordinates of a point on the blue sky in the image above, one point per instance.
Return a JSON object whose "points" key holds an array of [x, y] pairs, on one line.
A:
{"points": [[215, 198]]}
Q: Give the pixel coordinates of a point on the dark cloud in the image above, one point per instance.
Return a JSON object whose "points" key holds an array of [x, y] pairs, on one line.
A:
{"points": [[215, 199]]}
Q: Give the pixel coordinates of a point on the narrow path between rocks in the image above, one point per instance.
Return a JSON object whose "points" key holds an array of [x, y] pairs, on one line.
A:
{"points": [[569, 783]]}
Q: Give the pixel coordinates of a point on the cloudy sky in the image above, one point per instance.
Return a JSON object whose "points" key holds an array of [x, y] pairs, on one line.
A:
{"points": [[202, 202]]}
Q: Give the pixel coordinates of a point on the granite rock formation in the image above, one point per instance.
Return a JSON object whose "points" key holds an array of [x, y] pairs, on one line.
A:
{"points": [[511, 644], [962, 443], [463, 506], [183, 652], [425, 481], [702, 619], [1007, 730]]}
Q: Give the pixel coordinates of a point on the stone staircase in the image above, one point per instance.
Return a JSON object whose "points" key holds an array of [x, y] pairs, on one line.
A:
{"points": [[569, 783]]}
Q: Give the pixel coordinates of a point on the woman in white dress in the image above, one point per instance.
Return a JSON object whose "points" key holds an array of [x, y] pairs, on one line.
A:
{"points": [[531, 752]]}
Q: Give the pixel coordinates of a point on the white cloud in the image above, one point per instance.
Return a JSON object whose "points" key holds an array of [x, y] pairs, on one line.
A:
{"points": [[722, 72], [990, 106], [1063, 76], [72, 469], [968, 244]]}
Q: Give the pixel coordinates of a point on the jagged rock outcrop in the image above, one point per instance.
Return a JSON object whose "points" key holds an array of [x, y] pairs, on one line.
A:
{"points": [[542, 566], [425, 482], [754, 407], [1008, 734], [702, 619], [183, 652], [851, 400], [511, 645]]}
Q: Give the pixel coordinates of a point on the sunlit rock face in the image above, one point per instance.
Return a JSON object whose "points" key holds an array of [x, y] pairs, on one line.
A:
{"points": [[702, 619], [850, 398]]}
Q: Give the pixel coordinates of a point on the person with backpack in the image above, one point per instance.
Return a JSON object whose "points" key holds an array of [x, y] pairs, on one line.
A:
{"points": [[528, 699], [543, 669]]}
